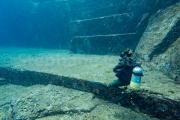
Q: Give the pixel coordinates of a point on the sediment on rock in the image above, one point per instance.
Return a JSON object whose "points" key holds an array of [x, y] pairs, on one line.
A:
{"points": [[153, 104]]}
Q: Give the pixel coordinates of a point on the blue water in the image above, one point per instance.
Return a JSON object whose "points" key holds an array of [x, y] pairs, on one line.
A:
{"points": [[33, 23]]}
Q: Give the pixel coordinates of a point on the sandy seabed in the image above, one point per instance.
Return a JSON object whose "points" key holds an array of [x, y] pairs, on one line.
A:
{"points": [[62, 103]]}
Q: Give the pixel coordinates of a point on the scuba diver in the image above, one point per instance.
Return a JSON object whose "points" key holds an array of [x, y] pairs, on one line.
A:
{"points": [[123, 70]]}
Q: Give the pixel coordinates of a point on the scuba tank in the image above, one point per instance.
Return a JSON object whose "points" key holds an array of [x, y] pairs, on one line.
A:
{"points": [[136, 76]]}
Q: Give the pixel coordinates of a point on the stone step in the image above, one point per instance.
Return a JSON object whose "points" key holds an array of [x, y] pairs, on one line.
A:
{"points": [[108, 43], [87, 9], [88, 12], [3, 81], [113, 24], [103, 44], [85, 13], [141, 101]]}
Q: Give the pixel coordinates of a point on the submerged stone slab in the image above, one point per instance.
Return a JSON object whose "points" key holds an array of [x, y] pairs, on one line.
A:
{"points": [[39, 101], [104, 112], [111, 43], [149, 102], [92, 68], [103, 44], [87, 9], [96, 68], [113, 24], [89, 73], [90, 18], [55, 102], [163, 29]]}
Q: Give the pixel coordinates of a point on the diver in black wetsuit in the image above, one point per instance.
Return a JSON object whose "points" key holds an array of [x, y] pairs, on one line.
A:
{"points": [[123, 69]]}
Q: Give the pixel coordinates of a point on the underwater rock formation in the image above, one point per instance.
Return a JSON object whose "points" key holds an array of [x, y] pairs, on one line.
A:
{"points": [[103, 44], [58, 102], [110, 22], [160, 43]]}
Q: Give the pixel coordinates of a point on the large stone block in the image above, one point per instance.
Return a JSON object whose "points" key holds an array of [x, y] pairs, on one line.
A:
{"points": [[163, 29], [87, 12], [160, 43], [32, 106], [103, 44], [114, 24], [92, 19], [87, 9], [169, 61], [111, 43]]}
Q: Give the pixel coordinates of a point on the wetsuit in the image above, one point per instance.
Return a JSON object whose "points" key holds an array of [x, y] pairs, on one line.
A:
{"points": [[123, 72]]}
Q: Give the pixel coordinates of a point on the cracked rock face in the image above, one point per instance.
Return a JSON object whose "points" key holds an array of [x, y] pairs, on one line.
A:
{"points": [[162, 30], [169, 61], [52, 100], [160, 43], [103, 112], [58, 103], [39, 101]]}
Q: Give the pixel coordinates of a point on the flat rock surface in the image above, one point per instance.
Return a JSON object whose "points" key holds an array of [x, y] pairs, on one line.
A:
{"points": [[38, 100], [89, 67], [96, 68], [58, 103]]}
